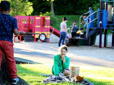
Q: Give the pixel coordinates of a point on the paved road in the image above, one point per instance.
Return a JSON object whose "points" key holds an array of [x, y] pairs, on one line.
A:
{"points": [[43, 53]]}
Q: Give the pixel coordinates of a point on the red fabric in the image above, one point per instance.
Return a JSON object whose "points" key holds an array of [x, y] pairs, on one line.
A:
{"points": [[7, 48]]}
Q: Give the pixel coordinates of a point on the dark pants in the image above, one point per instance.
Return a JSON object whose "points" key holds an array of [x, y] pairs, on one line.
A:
{"points": [[77, 35], [73, 34], [62, 38]]}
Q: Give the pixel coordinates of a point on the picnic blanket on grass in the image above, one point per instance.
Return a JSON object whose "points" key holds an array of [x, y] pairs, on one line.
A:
{"points": [[61, 78]]}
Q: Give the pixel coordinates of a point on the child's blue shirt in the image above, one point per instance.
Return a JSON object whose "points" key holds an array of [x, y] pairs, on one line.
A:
{"points": [[85, 20], [7, 24]]}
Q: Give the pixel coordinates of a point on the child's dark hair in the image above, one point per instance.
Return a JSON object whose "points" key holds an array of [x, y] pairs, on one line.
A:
{"points": [[84, 15], [74, 21], [5, 6], [64, 18], [63, 47], [81, 28]]}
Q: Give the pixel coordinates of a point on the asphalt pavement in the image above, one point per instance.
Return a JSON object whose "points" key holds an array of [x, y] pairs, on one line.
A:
{"points": [[43, 53]]}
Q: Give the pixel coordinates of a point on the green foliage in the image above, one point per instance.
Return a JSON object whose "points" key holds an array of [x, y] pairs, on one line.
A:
{"points": [[82, 6], [96, 6], [52, 19], [21, 7], [71, 18], [40, 6], [63, 7]]}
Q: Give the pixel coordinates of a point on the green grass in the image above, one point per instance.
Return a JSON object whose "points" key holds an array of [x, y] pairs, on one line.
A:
{"points": [[97, 75], [71, 18]]}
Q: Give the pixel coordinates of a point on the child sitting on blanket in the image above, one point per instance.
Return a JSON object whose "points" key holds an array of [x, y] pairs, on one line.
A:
{"points": [[61, 62]]}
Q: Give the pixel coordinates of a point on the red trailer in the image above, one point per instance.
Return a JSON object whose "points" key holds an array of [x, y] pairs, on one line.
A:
{"points": [[36, 24]]}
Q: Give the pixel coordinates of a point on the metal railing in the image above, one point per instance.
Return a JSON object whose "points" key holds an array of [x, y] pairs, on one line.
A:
{"points": [[69, 32], [87, 23], [89, 16]]}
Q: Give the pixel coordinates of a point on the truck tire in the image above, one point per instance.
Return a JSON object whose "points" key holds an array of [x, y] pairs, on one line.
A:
{"points": [[42, 37]]}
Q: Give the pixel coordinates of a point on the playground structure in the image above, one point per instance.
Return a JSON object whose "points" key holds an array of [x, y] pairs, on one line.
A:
{"points": [[38, 27], [108, 24], [103, 24]]}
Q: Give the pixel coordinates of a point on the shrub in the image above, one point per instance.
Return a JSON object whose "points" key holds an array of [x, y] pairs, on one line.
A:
{"points": [[52, 18]]}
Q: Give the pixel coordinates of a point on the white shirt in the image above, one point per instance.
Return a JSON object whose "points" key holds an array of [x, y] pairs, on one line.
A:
{"points": [[62, 26]]}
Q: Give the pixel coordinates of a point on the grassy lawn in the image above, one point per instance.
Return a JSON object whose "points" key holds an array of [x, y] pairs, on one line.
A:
{"points": [[97, 75], [71, 18]]}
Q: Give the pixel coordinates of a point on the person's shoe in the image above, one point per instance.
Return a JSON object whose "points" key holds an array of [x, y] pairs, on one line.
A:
{"points": [[14, 81]]}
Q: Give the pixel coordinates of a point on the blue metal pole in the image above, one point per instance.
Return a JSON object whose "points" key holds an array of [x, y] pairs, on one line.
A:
{"points": [[105, 34], [113, 25], [88, 41], [113, 30], [113, 38], [101, 14]]}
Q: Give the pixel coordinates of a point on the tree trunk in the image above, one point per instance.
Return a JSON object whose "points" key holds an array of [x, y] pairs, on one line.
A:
{"points": [[52, 8], [5, 76], [74, 6]]}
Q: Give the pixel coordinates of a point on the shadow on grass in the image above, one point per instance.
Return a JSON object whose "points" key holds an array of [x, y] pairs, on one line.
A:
{"points": [[25, 61], [34, 77], [32, 53]]}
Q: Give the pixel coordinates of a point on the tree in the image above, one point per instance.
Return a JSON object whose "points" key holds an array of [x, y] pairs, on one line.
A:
{"points": [[62, 7], [43, 6], [20, 7], [52, 7], [40, 6]]}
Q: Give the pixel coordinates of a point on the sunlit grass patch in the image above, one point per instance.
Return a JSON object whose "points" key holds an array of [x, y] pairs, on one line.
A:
{"points": [[95, 74]]}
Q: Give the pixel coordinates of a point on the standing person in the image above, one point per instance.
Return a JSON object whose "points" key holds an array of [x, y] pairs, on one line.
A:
{"points": [[90, 8], [63, 31], [8, 26], [74, 29], [61, 62], [92, 16]]}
